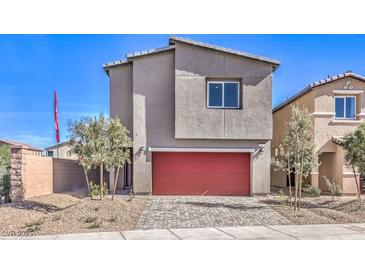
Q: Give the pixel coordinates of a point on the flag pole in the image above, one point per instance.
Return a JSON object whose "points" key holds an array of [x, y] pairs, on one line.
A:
{"points": [[56, 120]]}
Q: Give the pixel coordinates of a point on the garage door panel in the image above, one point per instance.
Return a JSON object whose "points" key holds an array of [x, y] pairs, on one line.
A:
{"points": [[195, 173]]}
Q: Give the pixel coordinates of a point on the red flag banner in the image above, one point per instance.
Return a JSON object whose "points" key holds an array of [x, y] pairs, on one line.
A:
{"points": [[56, 117]]}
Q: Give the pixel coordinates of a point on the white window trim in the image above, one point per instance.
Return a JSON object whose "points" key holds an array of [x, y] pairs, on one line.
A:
{"points": [[348, 91], [344, 101], [224, 82]]}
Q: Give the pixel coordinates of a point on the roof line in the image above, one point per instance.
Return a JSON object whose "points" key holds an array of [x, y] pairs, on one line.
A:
{"points": [[115, 63], [148, 52], [171, 46], [174, 39], [59, 144], [132, 55], [338, 140], [317, 84], [16, 144]]}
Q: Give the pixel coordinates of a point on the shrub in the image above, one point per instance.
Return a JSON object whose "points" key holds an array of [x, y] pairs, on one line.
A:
{"points": [[314, 191], [131, 196], [334, 189], [283, 198], [95, 189], [90, 219], [33, 226], [34, 223], [5, 158], [95, 225], [113, 219], [56, 218]]}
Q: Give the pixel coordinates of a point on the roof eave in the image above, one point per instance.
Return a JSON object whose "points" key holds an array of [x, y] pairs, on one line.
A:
{"points": [[110, 65], [317, 84], [133, 55], [143, 53], [275, 63]]}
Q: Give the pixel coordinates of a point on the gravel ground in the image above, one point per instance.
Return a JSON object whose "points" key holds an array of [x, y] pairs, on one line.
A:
{"points": [[322, 210], [69, 213]]}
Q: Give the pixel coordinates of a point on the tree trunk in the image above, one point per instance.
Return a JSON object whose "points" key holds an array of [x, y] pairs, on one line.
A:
{"points": [[101, 181], [296, 191], [300, 182], [300, 193], [357, 188], [290, 194], [115, 182], [87, 181]]}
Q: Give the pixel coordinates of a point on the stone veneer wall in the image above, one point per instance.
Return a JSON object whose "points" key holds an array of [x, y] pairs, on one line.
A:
{"points": [[16, 190]]}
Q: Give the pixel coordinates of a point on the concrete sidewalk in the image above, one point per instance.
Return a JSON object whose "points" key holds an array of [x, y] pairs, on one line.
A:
{"points": [[282, 232]]}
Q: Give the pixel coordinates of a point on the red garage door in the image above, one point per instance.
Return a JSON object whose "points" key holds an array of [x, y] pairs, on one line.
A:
{"points": [[200, 173]]}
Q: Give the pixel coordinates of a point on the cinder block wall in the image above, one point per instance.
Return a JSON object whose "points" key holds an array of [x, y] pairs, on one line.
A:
{"points": [[37, 175], [68, 175], [34, 175]]}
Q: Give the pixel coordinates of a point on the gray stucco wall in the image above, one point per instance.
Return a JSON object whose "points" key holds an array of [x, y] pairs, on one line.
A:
{"points": [[121, 102], [193, 67], [121, 94], [153, 112]]}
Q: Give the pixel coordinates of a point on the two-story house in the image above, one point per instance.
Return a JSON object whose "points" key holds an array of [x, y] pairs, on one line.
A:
{"points": [[61, 150], [337, 106], [200, 118]]}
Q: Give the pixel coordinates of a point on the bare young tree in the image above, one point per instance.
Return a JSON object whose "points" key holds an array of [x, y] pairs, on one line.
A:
{"points": [[88, 137], [80, 140], [119, 149], [284, 162], [297, 151], [100, 143], [354, 144]]}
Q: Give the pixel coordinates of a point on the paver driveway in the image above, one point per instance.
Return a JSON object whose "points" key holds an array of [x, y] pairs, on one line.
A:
{"points": [[164, 212]]}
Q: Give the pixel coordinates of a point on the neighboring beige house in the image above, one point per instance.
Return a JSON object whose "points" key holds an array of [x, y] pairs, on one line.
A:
{"points": [[64, 151], [337, 106], [15, 144], [200, 118]]}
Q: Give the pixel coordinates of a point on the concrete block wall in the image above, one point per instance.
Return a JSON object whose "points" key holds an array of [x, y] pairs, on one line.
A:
{"points": [[68, 175], [37, 175], [31, 175], [34, 175]]}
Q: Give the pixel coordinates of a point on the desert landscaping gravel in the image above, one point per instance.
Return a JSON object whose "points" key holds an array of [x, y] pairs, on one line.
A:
{"points": [[69, 213], [322, 210], [74, 213]]}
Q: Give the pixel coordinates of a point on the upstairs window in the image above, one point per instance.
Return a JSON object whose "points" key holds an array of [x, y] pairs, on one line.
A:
{"points": [[223, 95], [345, 107]]}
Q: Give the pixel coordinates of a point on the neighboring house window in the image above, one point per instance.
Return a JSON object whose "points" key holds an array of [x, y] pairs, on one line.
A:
{"points": [[223, 95], [345, 107], [69, 153], [50, 153]]}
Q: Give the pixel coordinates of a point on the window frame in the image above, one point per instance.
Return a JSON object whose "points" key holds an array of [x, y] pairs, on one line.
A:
{"points": [[223, 93], [344, 109]]}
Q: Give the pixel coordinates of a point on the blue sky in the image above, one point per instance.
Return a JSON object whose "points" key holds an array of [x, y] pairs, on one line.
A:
{"points": [[33, 66]]}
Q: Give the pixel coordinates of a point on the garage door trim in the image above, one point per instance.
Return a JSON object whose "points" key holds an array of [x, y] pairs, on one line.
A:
{"points": [[190, 149]]}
